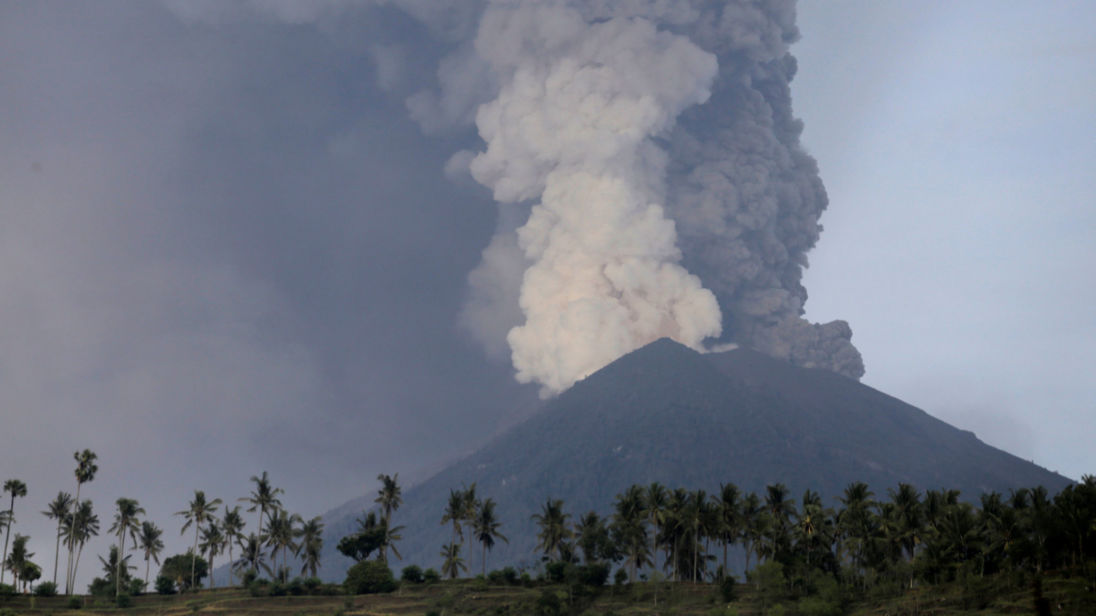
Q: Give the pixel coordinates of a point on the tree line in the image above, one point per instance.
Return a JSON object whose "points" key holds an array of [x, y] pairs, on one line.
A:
{"points": [[863, 541], [216, 531], [653, 532]]}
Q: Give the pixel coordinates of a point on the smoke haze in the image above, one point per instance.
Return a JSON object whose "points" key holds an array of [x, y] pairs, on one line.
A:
{"points": [[654, 149]]}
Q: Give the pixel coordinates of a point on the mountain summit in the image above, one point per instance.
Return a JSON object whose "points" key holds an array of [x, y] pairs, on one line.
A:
{"points": [[669, 414]]}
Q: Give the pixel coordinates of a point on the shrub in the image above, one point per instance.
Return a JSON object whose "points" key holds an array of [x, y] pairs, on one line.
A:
{"points": [[165, 585], [771, 583], [369, 576], [593, 575], [179, 568], [412, 574], [101, 588], [509, 575], [136, 587], [277, 589], [124, 600], [259, 588], [817, 606], [312, 584], [295, 587], [75, 603], [727, 588], [548, 604], [7, 590], [249, 576], [430, 576], [46, 589], [620, 578], [557, 571]]}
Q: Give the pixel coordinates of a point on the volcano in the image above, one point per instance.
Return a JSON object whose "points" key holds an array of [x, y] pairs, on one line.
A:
{"points": [[666, 413]]}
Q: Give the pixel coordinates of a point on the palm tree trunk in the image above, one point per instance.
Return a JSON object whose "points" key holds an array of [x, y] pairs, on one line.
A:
{"points": [[76, 563], [147, 563], [118, 567], [211, 582], [7, 535], [484, 559], [194, 556], [56, 553], [72, 531]]}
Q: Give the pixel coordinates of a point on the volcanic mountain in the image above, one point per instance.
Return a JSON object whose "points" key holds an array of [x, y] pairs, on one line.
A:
{"points": [[666, 413]]}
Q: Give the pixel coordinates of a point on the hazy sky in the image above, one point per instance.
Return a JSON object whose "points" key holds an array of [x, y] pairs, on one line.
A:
{"points": [[227, 247]]}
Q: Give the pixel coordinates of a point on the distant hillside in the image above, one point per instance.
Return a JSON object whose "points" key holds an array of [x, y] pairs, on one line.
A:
{"points": [[666, 413]]}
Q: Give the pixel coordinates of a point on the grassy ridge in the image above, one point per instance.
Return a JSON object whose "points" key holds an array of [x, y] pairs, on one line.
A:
{"points": [[997, 595]]}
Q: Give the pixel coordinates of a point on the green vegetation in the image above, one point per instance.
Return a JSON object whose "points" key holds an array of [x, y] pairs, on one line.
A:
{"points": [[667, 551], [996, 595]]}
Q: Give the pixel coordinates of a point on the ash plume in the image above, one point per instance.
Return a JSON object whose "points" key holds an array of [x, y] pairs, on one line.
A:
{"points": [[723, 163], [647, 168]]}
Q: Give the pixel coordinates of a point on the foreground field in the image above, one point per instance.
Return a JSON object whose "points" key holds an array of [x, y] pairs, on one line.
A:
{"points": [[1064, 596]]}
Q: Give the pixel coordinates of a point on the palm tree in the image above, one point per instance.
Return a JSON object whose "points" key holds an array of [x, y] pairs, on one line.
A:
{"points": [[471, 507], [57, 510], [264, 497], [279, 535], [751, 525], [454, 514], [390, 500], [150, 543], [389, 495], [83, 525], [16, 561], [252, 557], [553, 528], [591, 536], [697, 512], [452, 563], [311, 545], [486, 529], [233, 526], [777, 515], [116, 566], [856, 525], [814, 528], [199, 512], [17, 489], [729, 525], [213, 543], [628, 531], [655, 500], [85, 472], [124, 520], [674, 527]]}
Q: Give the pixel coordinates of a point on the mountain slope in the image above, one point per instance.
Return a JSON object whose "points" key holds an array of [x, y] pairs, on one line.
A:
{"points": [[666, 413]]}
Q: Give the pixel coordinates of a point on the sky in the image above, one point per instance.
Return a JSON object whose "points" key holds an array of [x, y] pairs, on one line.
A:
{"points": [[230, 244]]}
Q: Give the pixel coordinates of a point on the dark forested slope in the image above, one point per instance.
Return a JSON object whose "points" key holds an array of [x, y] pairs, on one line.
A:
{"points": [[668, 414]]}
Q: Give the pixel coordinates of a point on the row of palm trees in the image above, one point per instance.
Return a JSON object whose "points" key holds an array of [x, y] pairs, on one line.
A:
{"points": [[279, 532], [932, 536], [471, 516]]}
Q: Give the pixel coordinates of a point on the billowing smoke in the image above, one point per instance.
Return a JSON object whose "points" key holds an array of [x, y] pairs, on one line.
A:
{"points": [[611, 115], [647, 167], [573, 129]]}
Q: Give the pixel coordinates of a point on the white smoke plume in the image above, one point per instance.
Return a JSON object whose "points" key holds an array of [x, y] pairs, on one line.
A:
{"points": [[647, 166], [573, 127], [744, 196]]}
